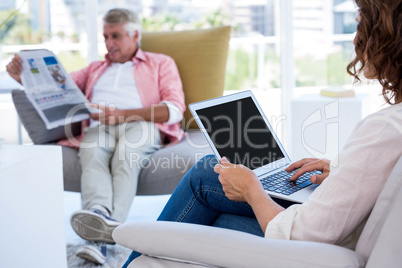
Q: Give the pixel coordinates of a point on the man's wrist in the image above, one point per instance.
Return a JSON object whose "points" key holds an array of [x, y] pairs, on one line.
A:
{"points": [[129, 115]]}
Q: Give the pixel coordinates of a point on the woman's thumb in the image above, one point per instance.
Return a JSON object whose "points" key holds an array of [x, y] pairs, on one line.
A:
{"points": [[318, 179]]}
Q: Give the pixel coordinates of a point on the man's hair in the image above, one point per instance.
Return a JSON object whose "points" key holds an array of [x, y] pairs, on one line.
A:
{"points": [[378, 45], [127, 17]]}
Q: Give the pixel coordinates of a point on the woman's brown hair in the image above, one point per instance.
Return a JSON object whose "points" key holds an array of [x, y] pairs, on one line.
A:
{"points": [[378, 45]]}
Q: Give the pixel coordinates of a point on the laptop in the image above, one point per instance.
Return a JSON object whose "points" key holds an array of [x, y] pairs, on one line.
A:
{"points": [[236, 127]]}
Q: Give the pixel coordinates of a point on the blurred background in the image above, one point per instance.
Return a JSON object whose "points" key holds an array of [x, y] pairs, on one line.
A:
{"points": [[280, 49]]}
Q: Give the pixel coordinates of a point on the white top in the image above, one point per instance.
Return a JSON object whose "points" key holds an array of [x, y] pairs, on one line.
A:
{"points": [[345, 198], [117, 88]]}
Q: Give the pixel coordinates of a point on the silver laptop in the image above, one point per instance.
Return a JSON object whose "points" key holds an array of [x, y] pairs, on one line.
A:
{"points": [[236, 127]]}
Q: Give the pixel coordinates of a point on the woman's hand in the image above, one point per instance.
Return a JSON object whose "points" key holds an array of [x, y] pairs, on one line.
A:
{"points": [[238, 181], [310, 164], [242, 185], [14, 68], [107, 115]]}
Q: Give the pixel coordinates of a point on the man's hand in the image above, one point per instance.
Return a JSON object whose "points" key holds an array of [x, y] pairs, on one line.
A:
{"points": [[238, 181], [107, 115], [158, 113], [310, 164], [14, 68]]}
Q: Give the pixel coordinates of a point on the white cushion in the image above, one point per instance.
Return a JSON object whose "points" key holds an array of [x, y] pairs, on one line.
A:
{"points": [[387, 249], [383, 205], [156, 262], [227, 248]]}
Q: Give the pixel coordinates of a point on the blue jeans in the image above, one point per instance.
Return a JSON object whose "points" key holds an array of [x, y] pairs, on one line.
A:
{"points": [[199, 198]]}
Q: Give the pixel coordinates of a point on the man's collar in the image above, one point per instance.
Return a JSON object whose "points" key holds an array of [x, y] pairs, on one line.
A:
{"points": [[139, 56]]}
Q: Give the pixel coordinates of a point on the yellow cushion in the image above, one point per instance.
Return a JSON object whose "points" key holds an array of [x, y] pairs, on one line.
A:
{"points": [[200, 56]]}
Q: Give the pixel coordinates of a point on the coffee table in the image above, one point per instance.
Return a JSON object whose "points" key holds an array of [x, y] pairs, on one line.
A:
{"points": [[31, 206]]}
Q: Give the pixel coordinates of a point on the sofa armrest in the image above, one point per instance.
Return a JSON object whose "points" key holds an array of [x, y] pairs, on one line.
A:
{"points": [[227, 248]]}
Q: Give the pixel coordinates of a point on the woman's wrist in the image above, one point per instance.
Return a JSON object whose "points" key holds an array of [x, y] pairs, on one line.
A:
{"points": [[255, 193]]}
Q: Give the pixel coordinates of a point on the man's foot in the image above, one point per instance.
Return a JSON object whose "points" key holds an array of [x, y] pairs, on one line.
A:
{"points": [[93, 225], [93, 251]]}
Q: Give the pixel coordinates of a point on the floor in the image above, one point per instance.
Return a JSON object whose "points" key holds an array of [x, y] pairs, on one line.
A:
{"points": [[143, 208]]}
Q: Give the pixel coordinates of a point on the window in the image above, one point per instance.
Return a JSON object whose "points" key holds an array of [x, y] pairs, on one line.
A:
{"points": [[322, 33]]}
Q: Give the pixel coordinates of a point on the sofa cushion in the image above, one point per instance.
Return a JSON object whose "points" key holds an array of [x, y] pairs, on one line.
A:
{"points": [[221, 247], [380, 212], [34, 125], [166, 167], [387, 249], [155, 262], [200, 56]]}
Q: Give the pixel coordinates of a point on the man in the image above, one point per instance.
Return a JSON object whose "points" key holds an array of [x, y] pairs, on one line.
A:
{"points": [[141, 102]]}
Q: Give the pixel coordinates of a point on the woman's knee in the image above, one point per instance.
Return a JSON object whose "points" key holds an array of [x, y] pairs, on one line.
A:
{"points": [[203, 172], [205, 165], [207, 161]]}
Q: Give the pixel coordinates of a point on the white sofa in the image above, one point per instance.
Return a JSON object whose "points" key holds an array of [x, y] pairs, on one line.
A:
{"points": [[171, 244]]}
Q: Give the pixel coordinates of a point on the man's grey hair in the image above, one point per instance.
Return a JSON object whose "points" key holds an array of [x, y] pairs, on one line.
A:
{"points": [[128, 17]]}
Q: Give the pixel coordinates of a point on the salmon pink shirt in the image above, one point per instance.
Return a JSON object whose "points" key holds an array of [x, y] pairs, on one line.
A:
{"points": [[157, 79]]}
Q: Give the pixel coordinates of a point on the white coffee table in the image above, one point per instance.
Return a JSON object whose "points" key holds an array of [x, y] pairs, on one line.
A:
{"points": [[31, 206]]}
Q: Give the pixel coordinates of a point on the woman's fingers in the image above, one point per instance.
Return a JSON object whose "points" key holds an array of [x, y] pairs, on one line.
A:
{"points": [[318, 179], [300, 163], [311, 166], [315, 164]]}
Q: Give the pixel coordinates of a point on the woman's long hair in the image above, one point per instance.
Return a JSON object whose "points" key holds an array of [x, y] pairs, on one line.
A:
{"points": [[378, 45]]}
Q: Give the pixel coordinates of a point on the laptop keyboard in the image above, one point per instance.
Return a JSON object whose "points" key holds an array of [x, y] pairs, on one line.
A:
{"points": [[280, 183]]}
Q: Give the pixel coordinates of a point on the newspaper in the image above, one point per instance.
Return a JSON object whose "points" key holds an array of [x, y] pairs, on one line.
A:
{"points": [[52, 92]]}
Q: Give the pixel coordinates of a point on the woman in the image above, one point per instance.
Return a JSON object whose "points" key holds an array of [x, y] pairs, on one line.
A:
{"points": [[231, 196]]}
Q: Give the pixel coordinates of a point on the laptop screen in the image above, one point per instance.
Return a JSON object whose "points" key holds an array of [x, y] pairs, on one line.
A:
{"points": [[240, 133]]}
